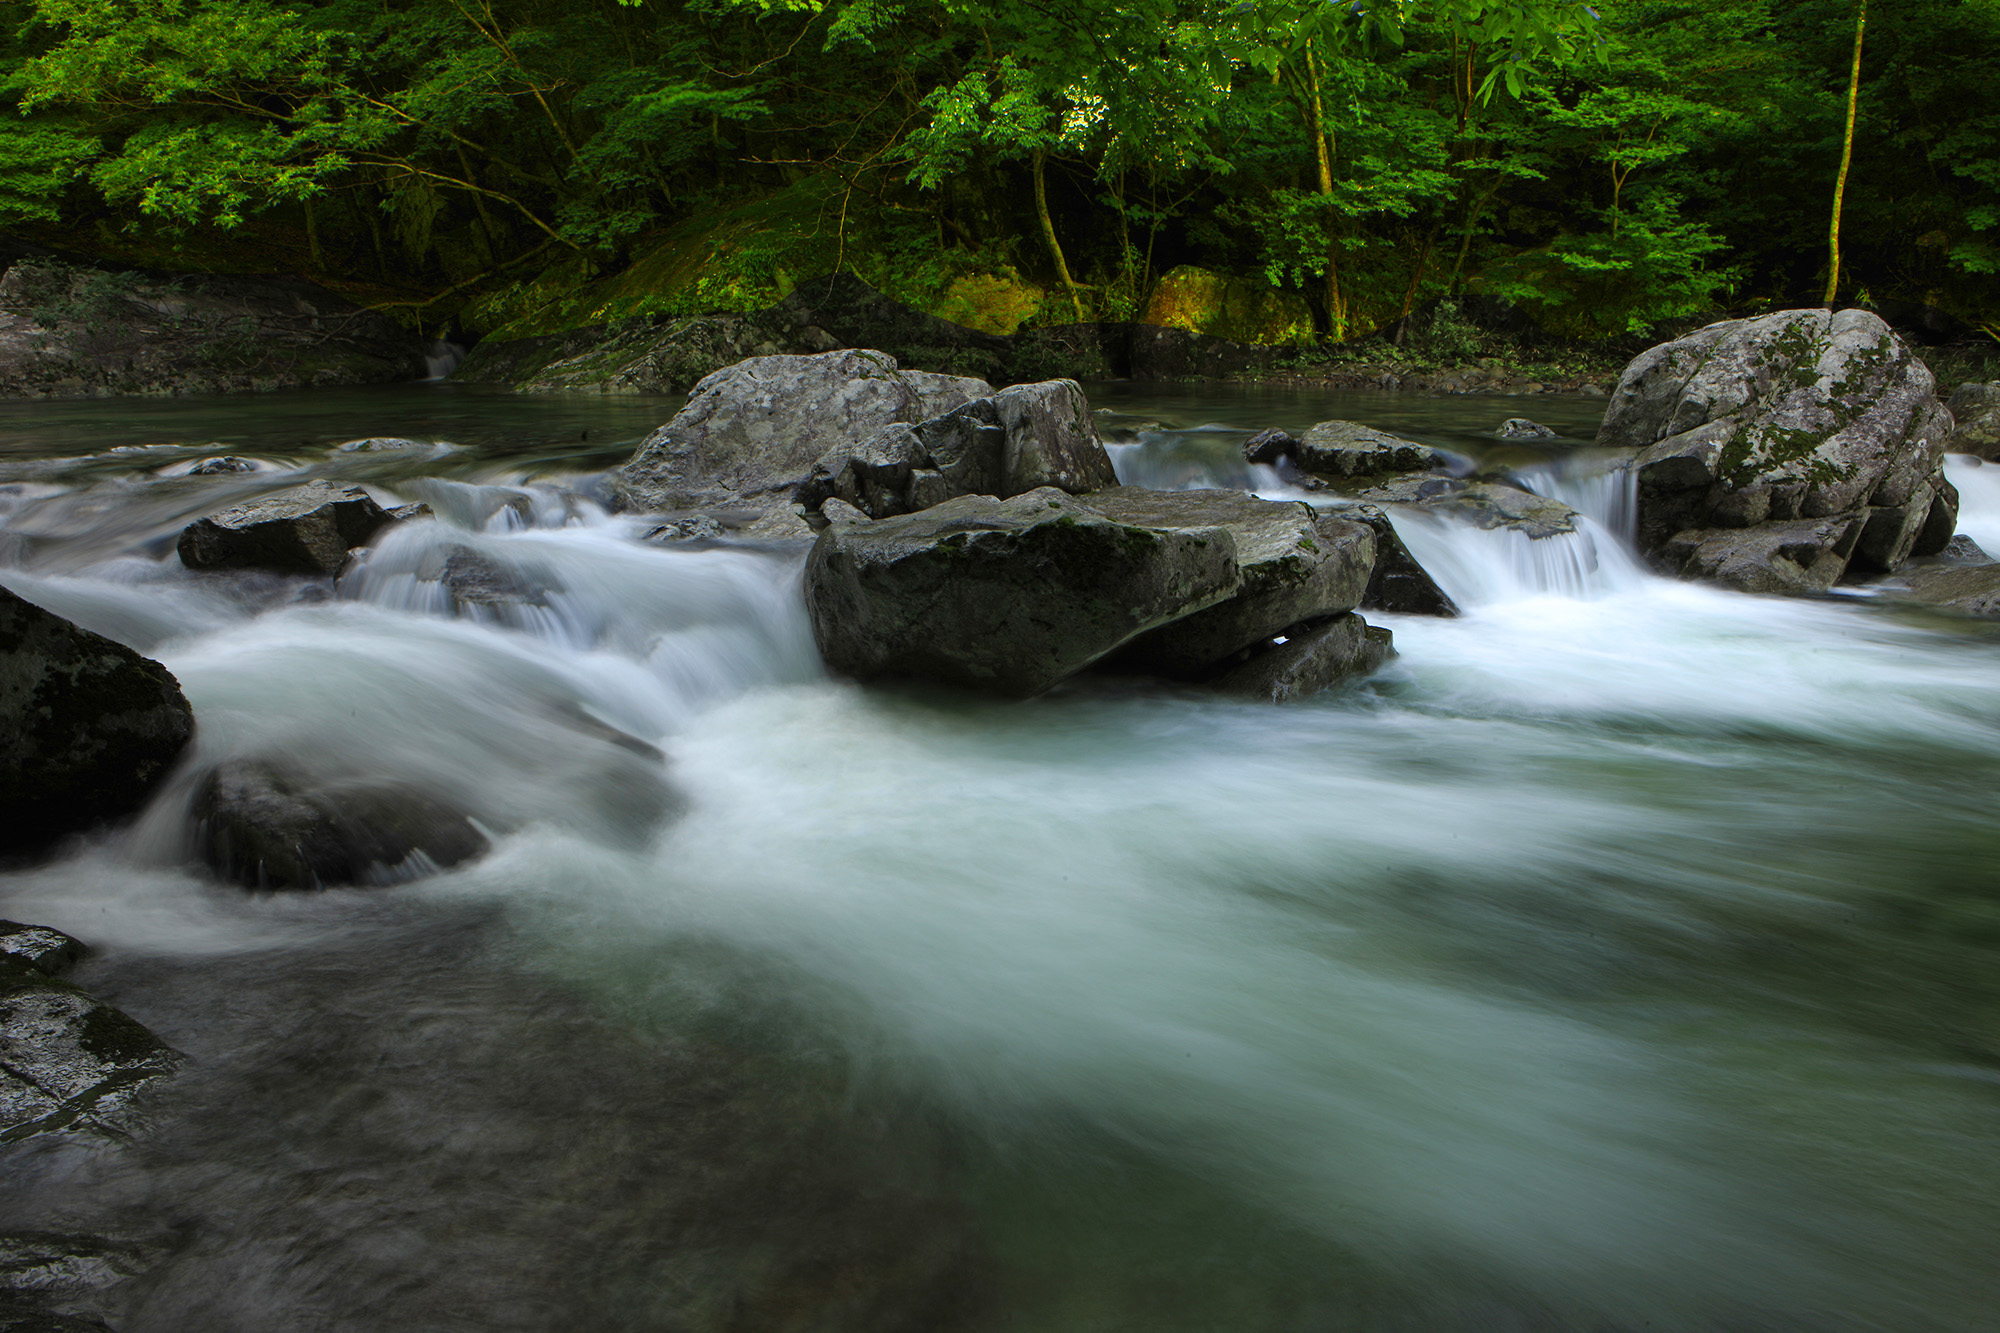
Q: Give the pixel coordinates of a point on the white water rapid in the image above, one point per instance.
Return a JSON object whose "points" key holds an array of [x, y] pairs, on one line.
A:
{"points": [[1619, 958]]}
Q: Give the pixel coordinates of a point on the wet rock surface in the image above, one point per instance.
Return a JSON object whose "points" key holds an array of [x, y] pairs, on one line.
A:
{"points": [[305, 529], [1343, 449], [1398, 582], [752, 432], [1520, 428], [1969, 589], [1008, 596], [1822, 427], [1484, 504], [1313, 659], [69, 1063], [1975, 415], [263, 827], [88, 727]]}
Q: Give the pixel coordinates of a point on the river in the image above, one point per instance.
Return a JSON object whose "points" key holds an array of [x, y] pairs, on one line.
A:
{"points": [[1623, 956]]}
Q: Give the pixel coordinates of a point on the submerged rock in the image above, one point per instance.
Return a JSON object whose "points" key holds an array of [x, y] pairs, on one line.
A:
{"points": [[264, 828], [68, 1062], [1821, 426], [1294, 566], [1972, 590], [216, 467], [306, 529], [1314, 659], [88, 728], [45, 1275], [1009, 596], [1014, 441], [751, 432], [473, 579]]}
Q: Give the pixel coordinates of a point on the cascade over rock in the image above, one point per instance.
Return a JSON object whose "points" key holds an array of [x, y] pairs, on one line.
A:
{"points": [[88, 728], [1778, 452], [307, 529], [1009, 596], [752, 431]]}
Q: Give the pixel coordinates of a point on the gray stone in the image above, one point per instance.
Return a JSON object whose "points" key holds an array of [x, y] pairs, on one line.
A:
{"points": [[1962, 550], [1398, 582], [1343, 648], [472, 579], [750, 433], [1520, 428], [1801, 555], [88, 728], [1484, 504], [69, 1062], [1295, 566], [49, 952], [382, 444], [265, 828], [699, 528], [307, 529], [1972, 590], [1009, 596], [215, 467], [1350, 449], [1793, 417], [1975, 414], [1268, 446]]}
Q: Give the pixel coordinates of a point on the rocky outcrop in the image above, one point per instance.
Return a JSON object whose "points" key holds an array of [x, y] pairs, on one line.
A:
{"points": [[1975, 415], [88, 728], [306, 529], [1315, 659], [74, 332], [751, 433], [68, 1062], [265, 828], [1294, 566], [1021, 438], [1777, 453], [1007, 596]]}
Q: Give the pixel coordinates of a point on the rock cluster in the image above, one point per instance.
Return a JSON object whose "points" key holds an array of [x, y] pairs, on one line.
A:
{"points": [[88, 727], [1776, 454]]}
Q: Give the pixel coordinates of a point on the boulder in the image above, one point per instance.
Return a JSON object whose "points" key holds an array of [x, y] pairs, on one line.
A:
{"points": [[1014, 441], [1347, 449], [1270, 446], [1484, 504], [750, 433], [263, 827], [1315, 659], [1520, 428], [49, 952], [1970, 589], [307, 529], [1398, 582], [88, 728], [216, 467], [1009, 596], [472, 579], [1821, 426], [1295, 566], [68, 1062], [1975, 415]]}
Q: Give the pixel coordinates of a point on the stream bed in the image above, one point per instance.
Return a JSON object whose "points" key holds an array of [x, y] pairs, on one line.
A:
{"points": [[1625, 955]]}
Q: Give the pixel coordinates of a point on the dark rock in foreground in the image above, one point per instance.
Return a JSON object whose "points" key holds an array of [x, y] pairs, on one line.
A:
{"points": [[1008, 596], [87, 726], [264, 828], [1820, 431], [68, 1062], [1398, 582], [306, 529], [1315, 659], [1294, 566]]}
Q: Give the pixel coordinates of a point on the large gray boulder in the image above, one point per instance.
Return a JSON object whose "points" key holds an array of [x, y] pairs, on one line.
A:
{"points": [[1295, 565], [1343, 449], [1975, 415], [68, 1062], [263, 827], [88, 728], [1010, 596], [1822, 426], [751, 432], [1021, 438], [306, 529], [1315, 659]]}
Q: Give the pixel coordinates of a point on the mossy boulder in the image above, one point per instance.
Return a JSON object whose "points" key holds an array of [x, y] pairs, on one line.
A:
{"points": [[1238, 309], [88, 728], [1823, 425]]}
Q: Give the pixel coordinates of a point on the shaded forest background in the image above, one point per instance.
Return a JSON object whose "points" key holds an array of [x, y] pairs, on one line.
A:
{"points": [[509, 167]]}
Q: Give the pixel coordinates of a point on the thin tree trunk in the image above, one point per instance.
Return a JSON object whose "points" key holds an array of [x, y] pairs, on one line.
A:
{"points": [[1049, 234], [1336, 306], [1846, 156]]}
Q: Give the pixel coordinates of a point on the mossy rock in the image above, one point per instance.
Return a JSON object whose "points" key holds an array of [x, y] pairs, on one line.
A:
{"points": [[1238, 309]]}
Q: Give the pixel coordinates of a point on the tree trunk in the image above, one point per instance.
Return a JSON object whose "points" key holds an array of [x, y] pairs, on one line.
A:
{"points": [[1336, 306], [1049, 234], [1846, 156]]}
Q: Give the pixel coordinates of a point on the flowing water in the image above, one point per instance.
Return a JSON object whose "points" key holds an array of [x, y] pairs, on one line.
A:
{"points": [[1622, 957]]}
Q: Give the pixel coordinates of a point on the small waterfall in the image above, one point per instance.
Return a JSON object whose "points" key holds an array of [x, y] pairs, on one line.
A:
{"points": [[1485, 566], [1603, 489], [1978, 486], [443, 358]]}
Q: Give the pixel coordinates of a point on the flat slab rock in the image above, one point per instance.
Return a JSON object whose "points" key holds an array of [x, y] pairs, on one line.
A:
{"points": [[1007, 596], [88, 727], [305, 529], [1343, 449], [1972, 590], [1484, 504], [68, 1062]]}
